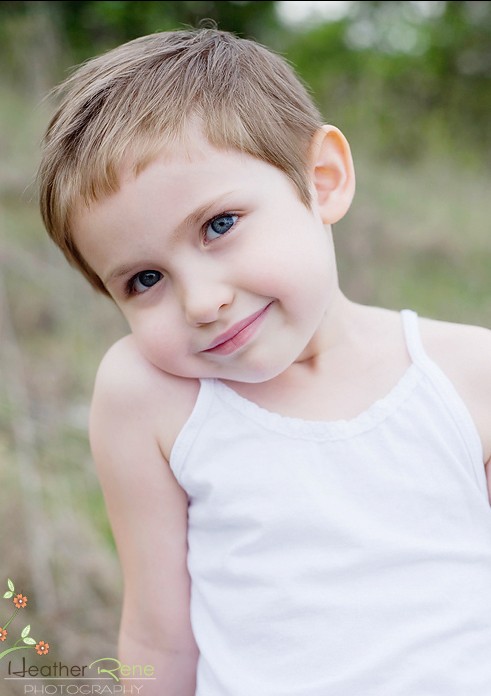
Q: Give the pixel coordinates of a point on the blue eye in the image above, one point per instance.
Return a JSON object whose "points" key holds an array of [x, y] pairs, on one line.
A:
{"points": [[219, 226], [143, 281]]}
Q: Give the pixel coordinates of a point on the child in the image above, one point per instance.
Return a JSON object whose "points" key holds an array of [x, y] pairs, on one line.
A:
{"points": [[296, 482]]}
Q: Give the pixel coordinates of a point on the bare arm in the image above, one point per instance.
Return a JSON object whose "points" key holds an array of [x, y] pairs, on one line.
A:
{"points": [[147, 510]]}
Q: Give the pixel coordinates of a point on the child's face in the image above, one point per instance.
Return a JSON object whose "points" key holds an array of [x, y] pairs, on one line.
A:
{"points": [[218, 267]]}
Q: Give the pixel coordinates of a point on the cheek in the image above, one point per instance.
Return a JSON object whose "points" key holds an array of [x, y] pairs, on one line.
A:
{"points": [[157, 341], [298, 266]]}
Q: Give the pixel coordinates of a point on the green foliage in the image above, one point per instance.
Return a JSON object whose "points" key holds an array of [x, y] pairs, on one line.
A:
{"points": [[87, 27], [400, 78], [400, 81]]}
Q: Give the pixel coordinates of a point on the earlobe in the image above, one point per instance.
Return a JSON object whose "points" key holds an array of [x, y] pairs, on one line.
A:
{"points": [[332, 172]]}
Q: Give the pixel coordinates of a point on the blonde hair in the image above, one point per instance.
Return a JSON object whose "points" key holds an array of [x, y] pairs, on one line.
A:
{"points": [[128, 103]]}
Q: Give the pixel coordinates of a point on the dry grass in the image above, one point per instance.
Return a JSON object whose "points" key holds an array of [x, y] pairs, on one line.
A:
{"points": [[55, 542], [419, 237]]}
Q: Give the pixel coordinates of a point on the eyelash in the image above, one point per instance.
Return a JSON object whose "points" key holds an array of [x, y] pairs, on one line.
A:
{"points": [[208, 223], [129, 289], [130, 285]]}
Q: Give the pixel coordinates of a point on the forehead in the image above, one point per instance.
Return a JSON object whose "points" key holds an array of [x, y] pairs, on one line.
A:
{"points": [[177, 188], [193, 156], [179, 176]]}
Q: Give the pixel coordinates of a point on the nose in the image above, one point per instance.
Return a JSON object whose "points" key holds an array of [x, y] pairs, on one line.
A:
{"points": [[203, 299]]}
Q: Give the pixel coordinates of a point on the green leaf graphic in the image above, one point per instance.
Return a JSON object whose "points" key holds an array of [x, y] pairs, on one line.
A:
{"points": [[8, 595], [10, 584], [26, 630], [29, 641]]}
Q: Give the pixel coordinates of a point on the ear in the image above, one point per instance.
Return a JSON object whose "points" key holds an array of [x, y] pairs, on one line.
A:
{"points": [[332, 174]]}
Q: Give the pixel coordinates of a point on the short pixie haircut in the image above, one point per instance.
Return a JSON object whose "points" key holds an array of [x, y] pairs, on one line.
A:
{"points": [[128, 104]]}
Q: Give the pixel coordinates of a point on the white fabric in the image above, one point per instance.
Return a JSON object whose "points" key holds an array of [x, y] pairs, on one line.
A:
{"points": [[345, 558]]}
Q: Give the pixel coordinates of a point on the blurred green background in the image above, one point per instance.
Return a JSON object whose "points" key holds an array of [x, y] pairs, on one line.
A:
{"points": [[409, 83]]}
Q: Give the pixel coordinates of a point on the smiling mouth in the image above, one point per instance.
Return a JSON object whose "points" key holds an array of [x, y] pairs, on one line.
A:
{"points": [[238, 335]]}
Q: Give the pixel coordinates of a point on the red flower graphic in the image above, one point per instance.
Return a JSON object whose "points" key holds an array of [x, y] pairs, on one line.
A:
{"points": [[20, 601], [42, 648], [3, 634]]}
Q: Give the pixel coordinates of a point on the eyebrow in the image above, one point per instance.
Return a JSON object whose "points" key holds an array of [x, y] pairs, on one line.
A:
{"points": [[190, 220]]}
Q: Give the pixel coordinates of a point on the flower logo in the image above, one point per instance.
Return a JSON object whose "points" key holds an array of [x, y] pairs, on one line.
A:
{"points": [[25, 641], [19, 601], [42, 648]]}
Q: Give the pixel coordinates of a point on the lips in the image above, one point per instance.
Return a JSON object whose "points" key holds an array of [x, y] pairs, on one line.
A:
{"points": [[238, 334]]}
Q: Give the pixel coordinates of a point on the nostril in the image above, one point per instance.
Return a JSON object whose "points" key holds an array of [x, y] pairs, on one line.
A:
{"points": [[205, 306]]}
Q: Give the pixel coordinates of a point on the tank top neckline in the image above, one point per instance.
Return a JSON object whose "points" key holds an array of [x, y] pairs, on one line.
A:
{"points": [[294, 426]]}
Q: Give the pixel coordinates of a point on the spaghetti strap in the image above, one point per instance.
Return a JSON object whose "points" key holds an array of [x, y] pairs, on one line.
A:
{"points": [[451, 399], [414, 345]]}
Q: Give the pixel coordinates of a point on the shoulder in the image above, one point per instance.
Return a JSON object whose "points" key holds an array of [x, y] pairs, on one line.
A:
{"points": [[463, 352], [130, 391], [135, 408], [463, 349]]}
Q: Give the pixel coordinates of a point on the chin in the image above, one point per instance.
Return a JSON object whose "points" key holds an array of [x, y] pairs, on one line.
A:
{"points": [[257, 375]]}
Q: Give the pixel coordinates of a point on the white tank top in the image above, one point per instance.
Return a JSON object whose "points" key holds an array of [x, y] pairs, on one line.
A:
{"points": [[339, 558]]}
